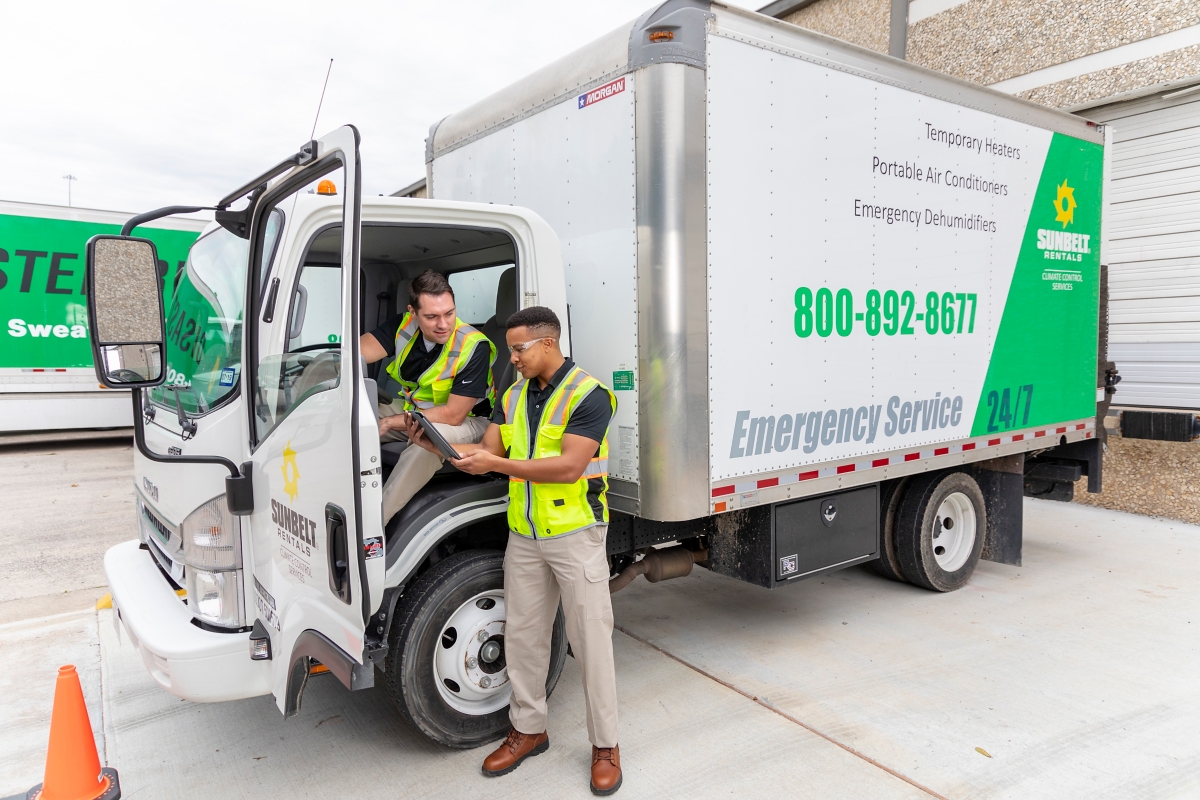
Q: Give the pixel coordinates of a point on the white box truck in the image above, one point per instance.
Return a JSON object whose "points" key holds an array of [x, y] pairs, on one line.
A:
{"points": [[47, 380], [850, 308]]}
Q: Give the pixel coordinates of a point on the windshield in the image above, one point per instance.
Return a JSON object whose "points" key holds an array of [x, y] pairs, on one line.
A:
{"points": [[204, 321]]}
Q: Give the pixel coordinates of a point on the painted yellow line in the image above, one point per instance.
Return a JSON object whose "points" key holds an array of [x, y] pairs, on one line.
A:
{"points": [[106, 601]]}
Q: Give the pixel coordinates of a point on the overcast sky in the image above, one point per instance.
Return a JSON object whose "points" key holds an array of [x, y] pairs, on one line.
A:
{"points": [[152, 104]]}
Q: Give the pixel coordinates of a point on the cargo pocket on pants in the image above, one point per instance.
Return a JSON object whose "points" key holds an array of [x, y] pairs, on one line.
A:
{"points": [[597, 600]]}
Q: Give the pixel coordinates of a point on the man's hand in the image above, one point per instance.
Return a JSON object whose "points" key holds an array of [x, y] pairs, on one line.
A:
{"points": [[478, 462], [417, 436], [394, 423]]}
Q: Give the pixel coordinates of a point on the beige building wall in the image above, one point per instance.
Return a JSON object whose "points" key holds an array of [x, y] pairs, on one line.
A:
{"points": [[992, 41], [862, 22]]}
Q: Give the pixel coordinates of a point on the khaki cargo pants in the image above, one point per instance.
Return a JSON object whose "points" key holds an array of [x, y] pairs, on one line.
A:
{"points": [[536, 573], [416, 464]]}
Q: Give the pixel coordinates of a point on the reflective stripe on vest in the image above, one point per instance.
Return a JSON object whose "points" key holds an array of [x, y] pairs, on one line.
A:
{"points": [[554, 509], [434, 385]]}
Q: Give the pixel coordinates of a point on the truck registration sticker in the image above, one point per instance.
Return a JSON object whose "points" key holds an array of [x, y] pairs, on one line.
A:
{"points": [[373, 547]]}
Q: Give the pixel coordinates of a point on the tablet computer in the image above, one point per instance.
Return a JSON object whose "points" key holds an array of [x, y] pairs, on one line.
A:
{"points": [[432, 433]]}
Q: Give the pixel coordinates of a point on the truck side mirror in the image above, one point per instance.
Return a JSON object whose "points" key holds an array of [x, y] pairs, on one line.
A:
{"points": [[124, 301]]}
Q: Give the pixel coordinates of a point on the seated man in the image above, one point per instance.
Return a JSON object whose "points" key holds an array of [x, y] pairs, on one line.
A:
{"points": [[446, 365]]}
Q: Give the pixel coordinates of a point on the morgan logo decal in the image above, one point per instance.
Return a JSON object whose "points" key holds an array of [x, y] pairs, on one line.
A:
{"points": [[602, 93]]}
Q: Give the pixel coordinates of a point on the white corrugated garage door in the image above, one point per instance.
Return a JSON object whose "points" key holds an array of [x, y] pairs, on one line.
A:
{"points": [[1154, 249]]}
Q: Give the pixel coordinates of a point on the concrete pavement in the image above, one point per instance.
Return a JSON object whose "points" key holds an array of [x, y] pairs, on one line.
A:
{"points": [[1077, 674], [682, 735], [64, 504]]}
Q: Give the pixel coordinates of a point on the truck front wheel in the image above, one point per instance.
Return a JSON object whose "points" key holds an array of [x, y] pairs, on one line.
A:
{"points": [[940, 530], [445, 669]]}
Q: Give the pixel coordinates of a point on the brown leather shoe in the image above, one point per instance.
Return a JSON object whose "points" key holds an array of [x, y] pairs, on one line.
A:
{"points": [[606, 770], [516, 748]]}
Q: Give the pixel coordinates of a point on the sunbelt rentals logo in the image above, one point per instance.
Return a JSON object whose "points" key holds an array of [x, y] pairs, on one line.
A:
{"points": [[1064, 245], [297, 534]]}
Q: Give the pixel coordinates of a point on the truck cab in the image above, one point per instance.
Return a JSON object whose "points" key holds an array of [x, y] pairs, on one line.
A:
{"points": [[262, 369]]}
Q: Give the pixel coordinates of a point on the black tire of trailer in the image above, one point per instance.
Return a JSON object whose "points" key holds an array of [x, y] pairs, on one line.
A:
{"points": [[915, 523], [888, 565], [408, 671]]}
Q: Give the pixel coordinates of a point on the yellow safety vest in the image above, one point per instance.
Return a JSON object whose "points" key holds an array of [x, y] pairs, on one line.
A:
{"points": [[554, 509], [433, 387]]}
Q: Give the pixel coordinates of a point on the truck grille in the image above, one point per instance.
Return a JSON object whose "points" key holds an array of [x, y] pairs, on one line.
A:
{"points": [[163, 540], [156, 525]]}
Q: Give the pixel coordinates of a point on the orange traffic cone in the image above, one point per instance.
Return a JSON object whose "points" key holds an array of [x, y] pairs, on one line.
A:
{"points": [[72, 765]]}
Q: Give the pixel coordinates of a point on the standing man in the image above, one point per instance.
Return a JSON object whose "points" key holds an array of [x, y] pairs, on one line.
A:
{"points": [[549, 434], [447, 367]]}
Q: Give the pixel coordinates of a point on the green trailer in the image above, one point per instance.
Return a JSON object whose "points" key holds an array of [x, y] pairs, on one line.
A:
{"points": [[47, 380]]}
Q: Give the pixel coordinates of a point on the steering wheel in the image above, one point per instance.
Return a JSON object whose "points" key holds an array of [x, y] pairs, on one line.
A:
{"points": [[126, 376]]}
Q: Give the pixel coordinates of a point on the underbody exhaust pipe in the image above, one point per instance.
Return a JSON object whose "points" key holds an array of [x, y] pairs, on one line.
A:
{"points": [[659, 565]]}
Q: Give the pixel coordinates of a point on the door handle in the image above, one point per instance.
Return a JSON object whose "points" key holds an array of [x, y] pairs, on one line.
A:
{"points": [[339, 552]]}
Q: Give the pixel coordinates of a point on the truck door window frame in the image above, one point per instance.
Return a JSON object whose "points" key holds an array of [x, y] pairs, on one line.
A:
{"points": [[256, 285], [287, 305]]}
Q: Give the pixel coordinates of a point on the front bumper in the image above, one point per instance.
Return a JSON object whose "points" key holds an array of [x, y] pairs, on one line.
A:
{"points": [[188, 662]]}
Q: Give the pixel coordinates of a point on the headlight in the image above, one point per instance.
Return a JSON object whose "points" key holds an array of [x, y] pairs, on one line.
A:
{"points": [[215, 597], [212, 537]]}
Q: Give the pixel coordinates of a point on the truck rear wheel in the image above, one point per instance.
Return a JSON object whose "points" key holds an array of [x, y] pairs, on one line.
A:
{"points": [[445, 669], [940, 529], [888, 565]]}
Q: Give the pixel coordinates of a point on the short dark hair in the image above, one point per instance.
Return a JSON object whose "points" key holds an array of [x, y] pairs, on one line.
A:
{"points": [[539, 320], [428, 282]]}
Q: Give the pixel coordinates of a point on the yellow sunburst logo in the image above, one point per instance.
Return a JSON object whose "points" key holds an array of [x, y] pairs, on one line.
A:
{"points": [[291, 473], [1064, 204]]}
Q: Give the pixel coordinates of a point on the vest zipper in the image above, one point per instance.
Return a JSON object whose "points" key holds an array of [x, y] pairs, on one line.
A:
{"points": [[529, 507], [531, 439]]}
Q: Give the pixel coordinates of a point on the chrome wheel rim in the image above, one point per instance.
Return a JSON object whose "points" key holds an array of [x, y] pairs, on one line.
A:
{"points": [[954, 532], [468, 665]]}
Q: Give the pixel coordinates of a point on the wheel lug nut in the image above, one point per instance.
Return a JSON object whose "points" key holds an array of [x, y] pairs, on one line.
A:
{"points": [[472, 662], [483, 635], [486, 682]]}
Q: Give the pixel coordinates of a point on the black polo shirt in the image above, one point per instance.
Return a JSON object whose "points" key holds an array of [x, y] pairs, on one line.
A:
{"points": [[590, 418]]}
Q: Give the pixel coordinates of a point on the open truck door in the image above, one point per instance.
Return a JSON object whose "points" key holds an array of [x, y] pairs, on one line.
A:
{"points": [[259, 361], [316, 527]]}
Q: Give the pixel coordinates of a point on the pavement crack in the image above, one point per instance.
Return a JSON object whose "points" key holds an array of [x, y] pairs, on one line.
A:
{"points": [[784, 714]]}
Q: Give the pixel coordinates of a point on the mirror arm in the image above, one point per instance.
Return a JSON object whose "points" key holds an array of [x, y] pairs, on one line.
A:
{"points": [[239, 486], [159, 213]]}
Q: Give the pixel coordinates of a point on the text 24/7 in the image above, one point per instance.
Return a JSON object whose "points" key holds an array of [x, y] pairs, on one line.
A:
{"points": [[891, 312], [1005, 414]]}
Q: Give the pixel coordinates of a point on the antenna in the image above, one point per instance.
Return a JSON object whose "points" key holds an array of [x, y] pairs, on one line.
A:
{"points": [[71, 179], [321, 102]]}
